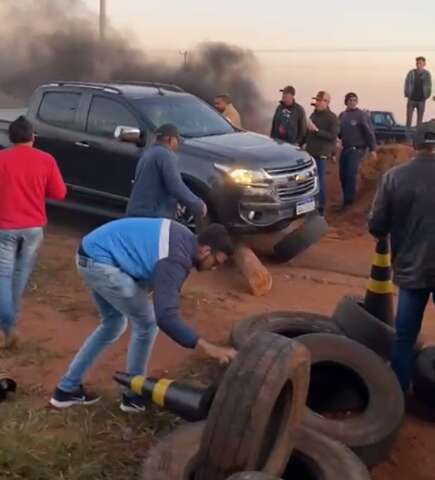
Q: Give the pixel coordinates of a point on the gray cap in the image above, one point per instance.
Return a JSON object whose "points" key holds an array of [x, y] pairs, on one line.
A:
{"points": [[167, 130], [425, 134]]}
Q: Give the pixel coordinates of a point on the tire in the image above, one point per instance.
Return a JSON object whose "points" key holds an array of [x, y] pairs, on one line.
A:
{"points": [[361, 326], [319, 457], [252, 476], [259, 402], [372, 432], [170, 458], [424, 377], [287, 323], [293, 324], [300, 239]]}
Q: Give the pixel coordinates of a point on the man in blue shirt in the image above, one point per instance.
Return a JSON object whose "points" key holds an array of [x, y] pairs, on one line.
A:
{"points": [[122, 262], [158, 187]]}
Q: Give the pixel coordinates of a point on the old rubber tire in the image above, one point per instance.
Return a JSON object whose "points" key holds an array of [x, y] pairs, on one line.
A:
{"points": [[259, 402], [252, 476], [293, 324], [424, 376], [287, 323], [319, 457], [310, 232], [170, 457], [360, 325], [372, 432]]}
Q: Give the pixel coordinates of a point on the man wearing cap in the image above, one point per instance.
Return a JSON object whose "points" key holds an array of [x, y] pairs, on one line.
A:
{"points": [[289, 123], [404, 208], [158, 187], [357, 135], [322, 139]]}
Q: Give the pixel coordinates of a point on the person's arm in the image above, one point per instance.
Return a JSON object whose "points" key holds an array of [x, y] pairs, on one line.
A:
{"points": [[406, 89], [332, 132], [381, 211], [369, 133], [430, 84], [168, 278], [177, 188], [273, 129], [55, 187], [302, 127]]}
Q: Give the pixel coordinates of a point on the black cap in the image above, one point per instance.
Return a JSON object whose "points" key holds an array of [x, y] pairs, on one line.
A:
{"points": [[167, 130], [425, 134], [288, 90]]}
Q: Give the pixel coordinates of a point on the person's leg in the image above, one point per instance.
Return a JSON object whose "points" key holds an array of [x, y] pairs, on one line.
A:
{"points": [[409, 112], [8, 249], [113, 325], [29, 242], [410, 310], [353, 163], [343, 172], [420, 112], [321, 170]]}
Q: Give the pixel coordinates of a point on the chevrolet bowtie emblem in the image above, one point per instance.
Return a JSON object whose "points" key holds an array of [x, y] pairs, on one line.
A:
{"points": [[300, 178]]}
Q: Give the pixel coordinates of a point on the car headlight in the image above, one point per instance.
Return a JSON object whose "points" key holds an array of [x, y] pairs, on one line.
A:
{"points": [[243, 176]]}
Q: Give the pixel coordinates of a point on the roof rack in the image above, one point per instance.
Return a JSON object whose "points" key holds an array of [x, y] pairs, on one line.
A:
{"points": [[167, 86], [99, 86]]}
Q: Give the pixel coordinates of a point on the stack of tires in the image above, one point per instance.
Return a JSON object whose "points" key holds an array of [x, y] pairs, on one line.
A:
{"points": [[301, 400]]}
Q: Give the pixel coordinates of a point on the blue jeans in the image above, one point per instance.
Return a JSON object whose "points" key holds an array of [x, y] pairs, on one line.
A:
{"points": [[321, 171], [410, 311], [350, 160], [18, 251], [118, 298]]}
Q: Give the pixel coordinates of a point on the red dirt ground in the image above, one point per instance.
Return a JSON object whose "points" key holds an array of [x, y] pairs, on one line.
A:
{"points": [[58, 314]]}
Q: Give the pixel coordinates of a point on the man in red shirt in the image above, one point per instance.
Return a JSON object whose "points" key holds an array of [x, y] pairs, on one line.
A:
{"points": [[27, 177]]}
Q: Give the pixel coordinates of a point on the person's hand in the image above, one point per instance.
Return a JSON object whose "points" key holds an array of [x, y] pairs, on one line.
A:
{"points": [[223, 355], [312, 126], [374, 155], [204, 209]]}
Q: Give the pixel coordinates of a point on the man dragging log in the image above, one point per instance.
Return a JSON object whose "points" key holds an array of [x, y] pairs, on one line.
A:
{"points": [[116, 261]]}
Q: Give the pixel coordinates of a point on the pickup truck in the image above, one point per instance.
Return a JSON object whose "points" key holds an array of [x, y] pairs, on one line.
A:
{"points": [[387, 130], [97, 132]]}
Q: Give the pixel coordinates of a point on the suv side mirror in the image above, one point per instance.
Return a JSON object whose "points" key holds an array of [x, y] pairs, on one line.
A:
{"points": [[127, 134]]}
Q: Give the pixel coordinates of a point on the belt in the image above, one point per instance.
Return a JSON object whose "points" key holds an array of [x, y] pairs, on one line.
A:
{"points": [[84, 260]]}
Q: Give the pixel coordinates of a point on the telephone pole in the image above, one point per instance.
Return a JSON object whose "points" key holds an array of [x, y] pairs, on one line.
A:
{"points": [[102, 20]]}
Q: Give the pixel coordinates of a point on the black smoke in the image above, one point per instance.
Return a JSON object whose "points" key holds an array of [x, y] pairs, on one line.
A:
{"points": [[58, 40]]}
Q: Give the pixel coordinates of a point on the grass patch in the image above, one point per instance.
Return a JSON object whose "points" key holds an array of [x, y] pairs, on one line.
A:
{"points": [[93, 443]]}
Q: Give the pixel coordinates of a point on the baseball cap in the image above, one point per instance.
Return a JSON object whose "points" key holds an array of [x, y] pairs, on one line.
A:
{"points": [[425, 134], [288, 90], [167, 130], [321, 95]]}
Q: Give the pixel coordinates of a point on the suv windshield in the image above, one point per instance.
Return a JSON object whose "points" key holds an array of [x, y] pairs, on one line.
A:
{"points": [[192, 117]]}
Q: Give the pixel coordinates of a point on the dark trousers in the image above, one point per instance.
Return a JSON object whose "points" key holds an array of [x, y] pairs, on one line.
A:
{"points": [[350, 160], [321, 171], [410, 107], [410, 310]]}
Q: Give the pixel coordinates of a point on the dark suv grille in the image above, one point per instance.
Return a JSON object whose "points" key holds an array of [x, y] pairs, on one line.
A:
{"points": [[287, 192], [282, 171]]}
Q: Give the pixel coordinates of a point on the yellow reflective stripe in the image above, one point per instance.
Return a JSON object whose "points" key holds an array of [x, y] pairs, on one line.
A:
{"points": [[136, 384], [159, 391], [382, 260], [380, 287]]}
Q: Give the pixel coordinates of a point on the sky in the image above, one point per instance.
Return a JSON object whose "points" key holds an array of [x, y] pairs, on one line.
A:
{"points": [[339, 45]]}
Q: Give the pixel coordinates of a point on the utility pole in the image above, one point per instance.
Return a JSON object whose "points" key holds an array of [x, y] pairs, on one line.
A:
{"points": [[102, 20], [186, 55]]}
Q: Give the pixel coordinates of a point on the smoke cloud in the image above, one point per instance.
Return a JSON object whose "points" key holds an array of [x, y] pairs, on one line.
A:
{"points": [[58, 40]]}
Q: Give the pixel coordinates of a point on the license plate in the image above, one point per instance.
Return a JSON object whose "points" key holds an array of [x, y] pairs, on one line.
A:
{"points": [[306, 206]]}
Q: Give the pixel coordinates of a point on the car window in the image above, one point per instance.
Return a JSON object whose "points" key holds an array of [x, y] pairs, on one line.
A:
{"points": [[378, 119], [106, 114], [59, 108], [192, 117]]}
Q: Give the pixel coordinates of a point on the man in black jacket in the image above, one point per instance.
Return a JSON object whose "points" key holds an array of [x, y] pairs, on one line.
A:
{"points": [[322, 139], [404, 208], [289, 123]]}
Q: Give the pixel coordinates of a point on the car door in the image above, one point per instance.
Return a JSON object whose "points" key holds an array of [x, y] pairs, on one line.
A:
{"points": [[110, 163], [57, 127]]}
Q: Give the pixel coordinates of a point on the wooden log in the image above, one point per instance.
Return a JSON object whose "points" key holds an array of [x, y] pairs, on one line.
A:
{"points": [[258, 277]]}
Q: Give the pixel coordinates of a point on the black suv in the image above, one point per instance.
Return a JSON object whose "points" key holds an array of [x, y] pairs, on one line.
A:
{"points": [[97, 132]]}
